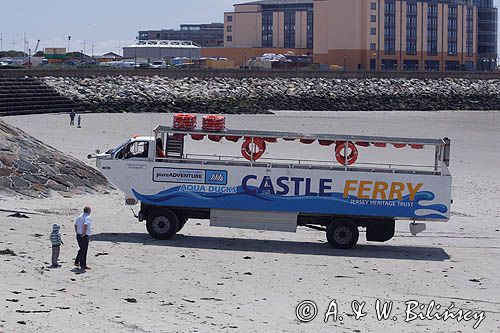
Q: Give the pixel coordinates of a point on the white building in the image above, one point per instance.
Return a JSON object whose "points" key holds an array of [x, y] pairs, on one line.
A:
{"points": [[161, 49]]}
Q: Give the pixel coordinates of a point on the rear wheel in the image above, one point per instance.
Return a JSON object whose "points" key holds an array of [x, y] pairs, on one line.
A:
{"points": [[162, 224], [342, 234]]}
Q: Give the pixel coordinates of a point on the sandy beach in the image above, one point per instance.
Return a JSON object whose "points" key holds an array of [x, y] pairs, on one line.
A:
{"points": [[231, 280]]}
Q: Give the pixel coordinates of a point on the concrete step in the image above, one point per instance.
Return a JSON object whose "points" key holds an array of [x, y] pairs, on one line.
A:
{"points": [[37, 107], [54, 97], [22, 95], [40, 111], [29, 96], [34, 102]]}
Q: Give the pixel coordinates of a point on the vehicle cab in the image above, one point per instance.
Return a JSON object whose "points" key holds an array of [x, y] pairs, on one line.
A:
{"points": [[127, 163]]}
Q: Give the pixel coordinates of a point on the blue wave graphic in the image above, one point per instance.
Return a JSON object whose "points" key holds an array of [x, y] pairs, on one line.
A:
{"points": [[335, 203]]}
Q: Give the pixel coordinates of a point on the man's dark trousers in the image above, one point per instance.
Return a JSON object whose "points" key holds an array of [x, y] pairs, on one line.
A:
{"points": [[83, 244]]}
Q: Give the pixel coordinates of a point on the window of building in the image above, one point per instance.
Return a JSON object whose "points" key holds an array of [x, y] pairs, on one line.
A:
{"points": [[389, 64], [432, 65], [310, 29], [373, 64], [410, 65], [411, 28], [289, 29], [229, 28], [452, 30], [229, 38], [373, 31], [373, 5], [432, 29], [390, 27], [373, 46], [373, 18], [267, 29], [230, 18], [452, 65], [469, 42]]}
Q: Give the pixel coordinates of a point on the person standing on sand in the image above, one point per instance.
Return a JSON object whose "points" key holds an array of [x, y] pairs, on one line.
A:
{"points": [[72, 118], [79, 121], [55, 239], [83, 228]]}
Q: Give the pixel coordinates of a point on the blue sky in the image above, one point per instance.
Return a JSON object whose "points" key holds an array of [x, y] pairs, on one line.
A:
{"points": [[106, 24]]}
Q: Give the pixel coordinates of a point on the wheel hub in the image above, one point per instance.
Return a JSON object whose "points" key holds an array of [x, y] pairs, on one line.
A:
{"points": [[161, 224], [343, 235]]}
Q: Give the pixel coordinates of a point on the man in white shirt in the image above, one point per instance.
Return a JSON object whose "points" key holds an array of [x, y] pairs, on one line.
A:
{"points": [[83, 228]]}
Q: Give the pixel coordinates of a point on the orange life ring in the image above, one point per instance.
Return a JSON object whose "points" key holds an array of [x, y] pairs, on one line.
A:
{"points": [[380, 144], [215, 138], [184, 121], [326, 142], [306, 141], [197, 137], [232, 138], [339, 153], [247, 152], [214, 123], [363, 143], [399, 145]]}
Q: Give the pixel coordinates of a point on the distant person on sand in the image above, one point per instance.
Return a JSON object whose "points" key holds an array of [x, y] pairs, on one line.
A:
{"points": [[55, 239], [72, 118], [79, 121], [83, 228]]}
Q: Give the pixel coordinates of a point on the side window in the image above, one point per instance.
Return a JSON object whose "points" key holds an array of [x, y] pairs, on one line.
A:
{"points": [[138, 149]]}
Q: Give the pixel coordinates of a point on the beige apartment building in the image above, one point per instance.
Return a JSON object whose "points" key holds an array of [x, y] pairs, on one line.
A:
{"points": [[360, 34]]}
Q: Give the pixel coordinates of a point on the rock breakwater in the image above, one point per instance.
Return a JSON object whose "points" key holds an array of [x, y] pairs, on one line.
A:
{"points": [[260, 95]]}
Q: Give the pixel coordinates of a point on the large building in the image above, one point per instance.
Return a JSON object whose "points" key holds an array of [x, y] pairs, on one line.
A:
{"points": [[164, 49], [372, 34], [487, 23], [205, 35]]}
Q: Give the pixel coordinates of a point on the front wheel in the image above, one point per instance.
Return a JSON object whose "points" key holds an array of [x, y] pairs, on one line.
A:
{"points": [[162, 224], [342, 234]]}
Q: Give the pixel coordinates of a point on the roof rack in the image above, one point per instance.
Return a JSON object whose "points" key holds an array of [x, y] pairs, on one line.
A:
{"points": [[295, 135]]}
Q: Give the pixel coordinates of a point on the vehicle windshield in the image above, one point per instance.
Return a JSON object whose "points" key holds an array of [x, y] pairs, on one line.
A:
{"points": [[114, 150]]}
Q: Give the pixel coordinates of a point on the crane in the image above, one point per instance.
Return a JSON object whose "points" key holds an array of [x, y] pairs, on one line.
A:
{"points": [[29, 54], [36, 47]]}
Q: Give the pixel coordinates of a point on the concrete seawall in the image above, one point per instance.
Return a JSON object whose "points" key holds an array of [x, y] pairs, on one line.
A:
{"points": [[243, 73]]}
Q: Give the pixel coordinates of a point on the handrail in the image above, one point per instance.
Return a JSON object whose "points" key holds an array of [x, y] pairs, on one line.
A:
{"points": [[392, 168], [301, 161]]}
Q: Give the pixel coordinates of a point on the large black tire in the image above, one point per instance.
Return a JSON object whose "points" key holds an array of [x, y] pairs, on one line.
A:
{"points": [[342, 234], [182, 222], [162, 224]]}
